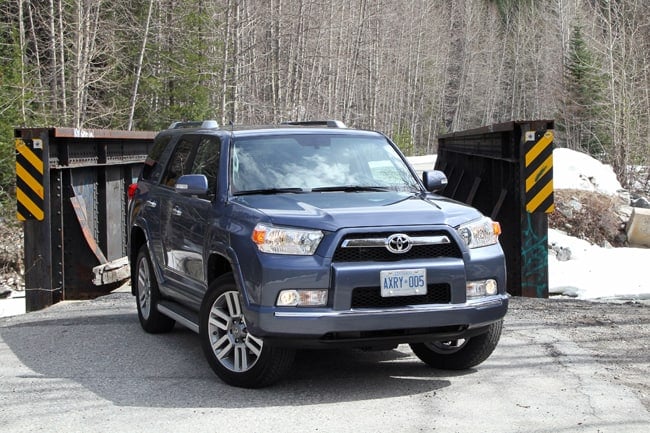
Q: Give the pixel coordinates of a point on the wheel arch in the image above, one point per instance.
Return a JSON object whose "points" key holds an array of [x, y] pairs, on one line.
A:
{"points": [[137, 238], [218, 265]]}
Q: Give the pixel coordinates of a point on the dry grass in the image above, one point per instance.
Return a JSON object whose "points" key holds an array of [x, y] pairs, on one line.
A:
{"points": [[588, 215]]}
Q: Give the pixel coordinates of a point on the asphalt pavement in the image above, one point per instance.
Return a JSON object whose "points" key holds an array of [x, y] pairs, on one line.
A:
{"points": [[86, 366]]}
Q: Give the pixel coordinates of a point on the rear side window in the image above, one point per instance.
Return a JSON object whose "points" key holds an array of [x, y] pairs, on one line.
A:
{"points": [[153, 168]]}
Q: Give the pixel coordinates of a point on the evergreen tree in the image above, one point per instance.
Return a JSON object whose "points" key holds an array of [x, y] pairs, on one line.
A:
{"points": [[582, 120], [178, 68], [404, 140], [10, 64]]}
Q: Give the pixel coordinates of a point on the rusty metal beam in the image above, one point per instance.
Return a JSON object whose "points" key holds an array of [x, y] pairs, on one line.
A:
{"points": [[77, 250]]}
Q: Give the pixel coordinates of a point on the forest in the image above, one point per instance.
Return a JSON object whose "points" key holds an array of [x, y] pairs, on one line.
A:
{"points": [[412, 69]]}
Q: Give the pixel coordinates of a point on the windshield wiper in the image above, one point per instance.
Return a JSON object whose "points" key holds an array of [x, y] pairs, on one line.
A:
{"points": [[350, 188], [269, 191]]}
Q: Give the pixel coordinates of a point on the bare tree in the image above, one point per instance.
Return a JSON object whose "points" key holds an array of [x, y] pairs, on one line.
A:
{"points": [[138, 72]]}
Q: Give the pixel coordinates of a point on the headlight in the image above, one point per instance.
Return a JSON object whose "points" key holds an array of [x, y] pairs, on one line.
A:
{"points": [[480, 233], [285, 240]]}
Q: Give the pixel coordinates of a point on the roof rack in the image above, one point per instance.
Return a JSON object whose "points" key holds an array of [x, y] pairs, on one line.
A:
{"points": [[206, 124], [328, 123]]}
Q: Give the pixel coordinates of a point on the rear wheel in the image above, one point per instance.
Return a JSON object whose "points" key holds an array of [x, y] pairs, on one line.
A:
{"points": [[234, 354], [459, 354], [147, 295]]}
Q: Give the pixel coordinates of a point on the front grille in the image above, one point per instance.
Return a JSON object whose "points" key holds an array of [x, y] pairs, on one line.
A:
{"points": [[370, 297], [381, 254], [366, 254]]}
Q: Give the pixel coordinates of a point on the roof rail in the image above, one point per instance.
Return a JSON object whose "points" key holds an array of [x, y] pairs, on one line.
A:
{"points": [[328, 123], [206, 124]]}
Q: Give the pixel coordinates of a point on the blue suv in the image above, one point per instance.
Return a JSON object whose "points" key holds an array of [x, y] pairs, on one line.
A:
{"points": [[308, 234]]}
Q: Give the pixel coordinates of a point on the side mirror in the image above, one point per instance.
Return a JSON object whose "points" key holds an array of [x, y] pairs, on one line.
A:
{"points": [[434, 180], [192, 184]]}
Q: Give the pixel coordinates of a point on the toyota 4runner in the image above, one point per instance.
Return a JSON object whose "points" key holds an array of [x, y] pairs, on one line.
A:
{"points": [[308, 234]]}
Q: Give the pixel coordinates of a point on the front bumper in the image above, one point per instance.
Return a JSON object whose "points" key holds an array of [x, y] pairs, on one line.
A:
{"points": [[344, 322], [360, 327]]}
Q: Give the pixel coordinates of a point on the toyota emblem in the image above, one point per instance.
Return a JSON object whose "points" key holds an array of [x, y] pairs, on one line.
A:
{"points": [[398, 243]]}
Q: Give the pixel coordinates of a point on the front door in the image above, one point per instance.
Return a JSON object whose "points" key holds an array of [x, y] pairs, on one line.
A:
{"points": [[187, 218]]}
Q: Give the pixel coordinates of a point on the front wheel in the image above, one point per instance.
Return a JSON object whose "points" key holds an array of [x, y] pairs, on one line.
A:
{"points": [[238, 357], [459, 354]]}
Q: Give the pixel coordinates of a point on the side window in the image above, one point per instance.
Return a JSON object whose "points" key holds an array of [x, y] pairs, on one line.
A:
{"points": [[179, 163], [152, 168], [207, 161]]}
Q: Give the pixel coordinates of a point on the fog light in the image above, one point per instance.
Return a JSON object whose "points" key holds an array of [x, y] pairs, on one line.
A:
{"points": [[476, 289], [302, 298]]}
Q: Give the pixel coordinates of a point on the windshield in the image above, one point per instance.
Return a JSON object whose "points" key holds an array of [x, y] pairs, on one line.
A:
{"points": [[303, 163]]}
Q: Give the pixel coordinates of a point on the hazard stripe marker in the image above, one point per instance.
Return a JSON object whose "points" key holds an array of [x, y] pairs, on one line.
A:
{"points": [[29, 180], [539, 172]]}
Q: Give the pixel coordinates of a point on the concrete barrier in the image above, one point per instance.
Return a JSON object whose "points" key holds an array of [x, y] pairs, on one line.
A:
{"points": [[638, 228]]}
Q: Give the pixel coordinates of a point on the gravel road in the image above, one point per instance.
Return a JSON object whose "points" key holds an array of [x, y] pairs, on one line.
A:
{"points": [[561, 366], [616, 334]]}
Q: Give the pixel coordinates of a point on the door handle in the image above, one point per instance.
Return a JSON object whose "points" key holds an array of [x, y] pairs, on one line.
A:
{"points": [[176, 211], [150, 203]]}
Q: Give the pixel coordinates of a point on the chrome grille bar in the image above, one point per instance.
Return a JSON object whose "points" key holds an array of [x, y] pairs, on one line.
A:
{"points": [[381, 242]]}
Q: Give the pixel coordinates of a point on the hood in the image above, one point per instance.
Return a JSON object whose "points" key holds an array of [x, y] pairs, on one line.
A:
{"points": [[334, 210]]}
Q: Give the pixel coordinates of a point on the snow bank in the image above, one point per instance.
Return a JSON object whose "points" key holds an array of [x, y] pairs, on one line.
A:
{"points": [[593, 272], [576, 170]]}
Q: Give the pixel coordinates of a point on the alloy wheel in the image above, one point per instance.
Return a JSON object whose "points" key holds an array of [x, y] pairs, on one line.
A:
{"points": [[234, 347], [144, 288]]}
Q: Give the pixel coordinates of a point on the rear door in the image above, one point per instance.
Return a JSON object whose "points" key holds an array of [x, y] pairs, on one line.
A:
{"points": [[147, 207]]}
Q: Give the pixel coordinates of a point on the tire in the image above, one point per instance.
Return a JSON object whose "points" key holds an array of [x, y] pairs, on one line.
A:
{"points": [[236, 356], [459, 354], [147, 296]]}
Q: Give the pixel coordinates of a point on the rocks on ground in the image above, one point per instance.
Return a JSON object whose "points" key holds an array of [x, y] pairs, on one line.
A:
{"points": [[598, 218], [12, 269]]}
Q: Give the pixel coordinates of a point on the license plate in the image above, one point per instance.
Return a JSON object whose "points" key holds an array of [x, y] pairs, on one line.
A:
{"points": [[403, 282]]}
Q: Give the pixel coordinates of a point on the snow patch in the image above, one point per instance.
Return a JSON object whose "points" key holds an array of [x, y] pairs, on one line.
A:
{"points": [[576, 170]]}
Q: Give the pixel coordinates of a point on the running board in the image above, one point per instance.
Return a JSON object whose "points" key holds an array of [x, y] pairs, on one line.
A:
{"points": [[180, 314]]}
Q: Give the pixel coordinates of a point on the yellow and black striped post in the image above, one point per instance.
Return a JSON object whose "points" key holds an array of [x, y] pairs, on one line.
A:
{"points": [[538, 171], [29, 180], [536, 165]]}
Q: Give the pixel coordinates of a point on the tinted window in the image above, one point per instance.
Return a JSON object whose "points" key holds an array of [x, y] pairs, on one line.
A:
{"points": [[181, 161], [207, 161], [152, 168]]}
